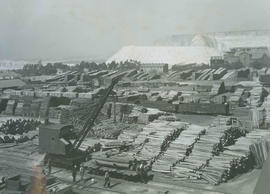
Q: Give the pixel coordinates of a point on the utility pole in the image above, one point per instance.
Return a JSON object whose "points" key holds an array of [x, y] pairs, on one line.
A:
{"points": [[114, 108]]}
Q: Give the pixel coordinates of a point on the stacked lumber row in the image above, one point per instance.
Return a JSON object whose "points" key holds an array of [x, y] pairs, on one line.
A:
{"points": [[261, 145], [229, 138], [202, 151], [118, 161], [237, 158], [215, 89], [179, 148], [256, 96], [66, 114], [234, 160], [266, 105], [112, 144], [219, 73], [156, 138], [128, 136], [11, 105]]}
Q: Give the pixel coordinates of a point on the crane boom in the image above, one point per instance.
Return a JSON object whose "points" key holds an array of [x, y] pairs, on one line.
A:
{"points": [[87, 127]]}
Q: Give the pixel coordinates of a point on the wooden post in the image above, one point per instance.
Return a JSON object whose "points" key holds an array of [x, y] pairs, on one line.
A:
{"points": [[114, 109]]}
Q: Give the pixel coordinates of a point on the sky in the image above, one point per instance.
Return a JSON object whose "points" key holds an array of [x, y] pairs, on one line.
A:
{"points": [[66, 29]]}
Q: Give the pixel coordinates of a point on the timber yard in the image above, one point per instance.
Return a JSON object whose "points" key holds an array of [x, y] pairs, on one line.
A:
{"points": [[137, 124]]}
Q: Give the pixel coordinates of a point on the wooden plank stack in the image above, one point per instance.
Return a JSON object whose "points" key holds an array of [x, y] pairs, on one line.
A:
{"points": [[234, 160], [178, 149], [202, 151], [261, 147], [198, 167], [237, 158], [158, 136]]}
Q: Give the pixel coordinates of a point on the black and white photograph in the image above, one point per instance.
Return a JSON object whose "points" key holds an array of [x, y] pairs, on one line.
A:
{"points": [[134, 97]]}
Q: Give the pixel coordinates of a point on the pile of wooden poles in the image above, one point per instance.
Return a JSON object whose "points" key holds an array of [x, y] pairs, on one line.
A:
{"points": [[214, 158], [236, 159], [157, 135], [261, 145], [202, 151], [178, 149]]}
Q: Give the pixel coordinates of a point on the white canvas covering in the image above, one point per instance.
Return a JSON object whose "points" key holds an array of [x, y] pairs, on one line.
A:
{"points": [[170, 55]]}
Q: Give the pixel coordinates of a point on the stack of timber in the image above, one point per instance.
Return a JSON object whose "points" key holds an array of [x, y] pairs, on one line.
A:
{"points": [[108, 129], [118, 164], [128, 136], [179, 149], [266, 105], [261, 145], [19, 109], [257, 94], [236, 159], [11, 105], [112, 144], [215, 89], [44, 107], [219, 73], [157, 137], [212, 143]]}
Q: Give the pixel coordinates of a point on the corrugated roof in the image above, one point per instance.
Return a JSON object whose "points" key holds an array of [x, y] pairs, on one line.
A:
{"points": [[11, 83]]}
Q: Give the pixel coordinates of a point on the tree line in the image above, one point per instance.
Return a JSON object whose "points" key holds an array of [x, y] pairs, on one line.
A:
{"points": [[52, 68]]}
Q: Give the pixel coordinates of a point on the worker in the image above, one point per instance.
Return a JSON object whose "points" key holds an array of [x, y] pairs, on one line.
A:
{"points": [[74, 172], [107, 182], [142, 172], [50, 165], [138, 170], [145, 172], [82, 171], [3, 180], [130, 165], [135, 163]]}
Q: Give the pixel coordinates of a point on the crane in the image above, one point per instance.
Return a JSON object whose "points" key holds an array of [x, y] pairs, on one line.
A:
{"points": [[55, 139], [87, 127]]}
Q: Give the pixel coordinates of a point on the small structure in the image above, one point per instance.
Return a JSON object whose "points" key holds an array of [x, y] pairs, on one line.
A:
{"points": [[154, 67], [216, 60], [11, 84]]}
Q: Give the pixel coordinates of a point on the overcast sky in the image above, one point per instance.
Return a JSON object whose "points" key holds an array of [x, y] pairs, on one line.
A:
{"points": [[55, 29]]}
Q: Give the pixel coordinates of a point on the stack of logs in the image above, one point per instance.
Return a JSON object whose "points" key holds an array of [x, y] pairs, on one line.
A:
{"points": [[19, 130], [208, 162], [179, 149], [157, 137]]}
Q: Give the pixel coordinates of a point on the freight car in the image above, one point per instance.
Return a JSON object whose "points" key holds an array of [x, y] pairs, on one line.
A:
{"points": [[203, 108]]}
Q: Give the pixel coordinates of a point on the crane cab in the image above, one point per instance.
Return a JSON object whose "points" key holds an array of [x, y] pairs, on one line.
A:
{"points": [[53, 138]]}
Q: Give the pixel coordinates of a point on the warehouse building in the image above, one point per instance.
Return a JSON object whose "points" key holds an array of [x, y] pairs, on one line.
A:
{"points": [[246, 55]]}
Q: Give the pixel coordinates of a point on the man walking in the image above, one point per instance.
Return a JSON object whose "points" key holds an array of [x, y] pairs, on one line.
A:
{"points": [[50, 165], [74, 173], [107, 182], [82, 171]]}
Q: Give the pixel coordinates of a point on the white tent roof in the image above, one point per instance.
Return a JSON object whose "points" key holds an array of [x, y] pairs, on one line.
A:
{"points": [[163, 54]]}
